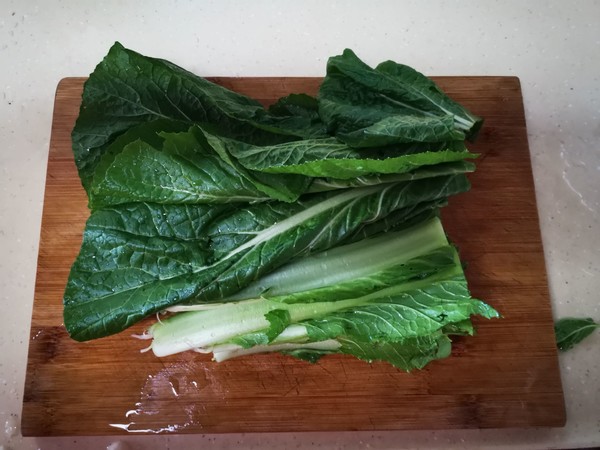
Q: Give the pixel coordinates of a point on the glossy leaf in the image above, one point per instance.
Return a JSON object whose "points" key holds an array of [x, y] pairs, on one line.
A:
{"points": [[571, 331]]}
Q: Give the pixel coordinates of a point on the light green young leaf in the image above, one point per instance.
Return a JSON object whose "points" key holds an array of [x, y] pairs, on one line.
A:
{"points": [[329, 158]]}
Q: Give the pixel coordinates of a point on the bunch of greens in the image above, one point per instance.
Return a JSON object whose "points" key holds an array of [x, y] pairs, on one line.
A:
{"points": [[308, 228]]}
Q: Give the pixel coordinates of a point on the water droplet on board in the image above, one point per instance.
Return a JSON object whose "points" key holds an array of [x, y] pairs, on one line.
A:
{"points": [[37, 335], [173, 381], [132, 412]]}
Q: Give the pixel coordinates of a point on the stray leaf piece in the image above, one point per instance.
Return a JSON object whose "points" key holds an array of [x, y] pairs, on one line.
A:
{"points": [[570, 331]]}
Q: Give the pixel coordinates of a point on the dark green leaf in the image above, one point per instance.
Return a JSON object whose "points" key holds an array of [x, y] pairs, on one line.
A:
{"points": [[571, 331], [303, 106], [390, 104], [127, 89], [181, 168]]}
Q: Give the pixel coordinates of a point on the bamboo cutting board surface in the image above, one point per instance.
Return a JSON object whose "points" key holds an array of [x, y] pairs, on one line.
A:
{"points": [[506, 376]]}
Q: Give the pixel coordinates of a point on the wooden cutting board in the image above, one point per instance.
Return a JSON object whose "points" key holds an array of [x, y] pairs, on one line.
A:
{"points": [[506, 376]]}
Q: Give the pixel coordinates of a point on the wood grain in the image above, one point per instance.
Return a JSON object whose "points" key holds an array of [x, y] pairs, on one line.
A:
{"points": [[506, 376]]}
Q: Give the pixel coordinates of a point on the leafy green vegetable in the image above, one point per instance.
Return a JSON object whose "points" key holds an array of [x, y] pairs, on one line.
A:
{"points": [[127, 89], [390, 104], [412, 353], [571, 331], [139, 258], [182, 168], [192, 166], [310, 227], [388, 298], [330, 158], [349, 270], [327, 183], [303, 106]]}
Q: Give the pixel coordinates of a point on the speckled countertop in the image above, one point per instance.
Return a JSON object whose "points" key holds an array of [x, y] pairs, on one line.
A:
{"points": [[552, 47]]}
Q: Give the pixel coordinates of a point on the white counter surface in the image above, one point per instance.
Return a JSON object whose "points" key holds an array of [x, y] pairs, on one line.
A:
{"points": [[553, 47]]}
